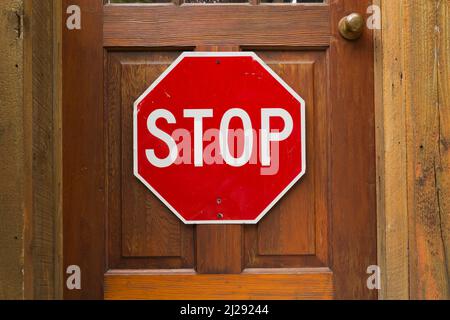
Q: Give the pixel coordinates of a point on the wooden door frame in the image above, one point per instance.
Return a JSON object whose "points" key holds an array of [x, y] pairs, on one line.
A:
{"points": [[411, 195]]}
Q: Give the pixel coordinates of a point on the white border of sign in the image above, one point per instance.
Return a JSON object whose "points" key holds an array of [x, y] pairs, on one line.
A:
{"points": [[221, 54]]}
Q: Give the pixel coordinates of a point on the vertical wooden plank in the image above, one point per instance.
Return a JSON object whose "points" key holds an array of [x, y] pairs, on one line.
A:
{"points": [[33, 25], [13, 158], [443, 174], [28, 267], [57, 147], [39, 249], [415, 232], [427, 141], [83, 149], [352, 152], [391, 154], [113, 74], [219, 247]]}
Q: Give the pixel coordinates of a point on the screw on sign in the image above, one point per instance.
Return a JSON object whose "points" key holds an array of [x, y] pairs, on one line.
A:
{"points": [[219, 137]]}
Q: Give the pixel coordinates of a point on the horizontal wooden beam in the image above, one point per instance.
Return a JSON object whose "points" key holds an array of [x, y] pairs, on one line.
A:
{"points": [[164, 25], [187, 285]]}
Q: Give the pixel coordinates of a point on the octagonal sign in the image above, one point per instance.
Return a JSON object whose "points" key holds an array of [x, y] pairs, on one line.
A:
{"points": [[219, 138]]}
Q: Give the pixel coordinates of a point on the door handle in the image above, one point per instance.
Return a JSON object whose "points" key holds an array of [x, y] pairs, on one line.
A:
{"points": [[351, 27]]}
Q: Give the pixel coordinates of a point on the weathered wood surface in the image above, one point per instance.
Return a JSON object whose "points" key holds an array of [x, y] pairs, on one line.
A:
{"points": [[12, 158], [428, 139], [40, 241], [443, 181], [29, 180], [414, 155], [391, 155]]}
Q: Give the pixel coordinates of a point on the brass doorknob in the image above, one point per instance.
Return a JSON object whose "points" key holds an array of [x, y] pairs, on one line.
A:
{"points": [[351, 27]]}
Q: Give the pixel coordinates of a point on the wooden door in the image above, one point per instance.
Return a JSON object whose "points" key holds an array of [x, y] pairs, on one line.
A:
{"points": [[317, 242]]}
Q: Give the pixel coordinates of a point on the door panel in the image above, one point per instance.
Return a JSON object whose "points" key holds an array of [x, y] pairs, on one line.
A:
{"points": [[295, 233], [315, 243], [142, 227], [142, 231]]}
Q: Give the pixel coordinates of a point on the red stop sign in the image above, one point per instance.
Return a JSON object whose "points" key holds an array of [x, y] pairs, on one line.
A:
{"points": [[219, 137]]}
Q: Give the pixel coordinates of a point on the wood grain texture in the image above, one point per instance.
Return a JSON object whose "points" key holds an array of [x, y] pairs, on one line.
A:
{"points": [[13, 157], [42, 269], [289, 230], [219, 249], [443, 174], [414, 168], [295, 232], [165, 25], [190, 286], [57, 152], [352, 152], [84, 150], [148, 227], [391, 154], [142, 232], [426, 62], [30, 28]]}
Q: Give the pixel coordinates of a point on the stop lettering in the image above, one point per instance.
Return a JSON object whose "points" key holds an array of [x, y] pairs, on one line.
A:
{"points": [[267, 136]]}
